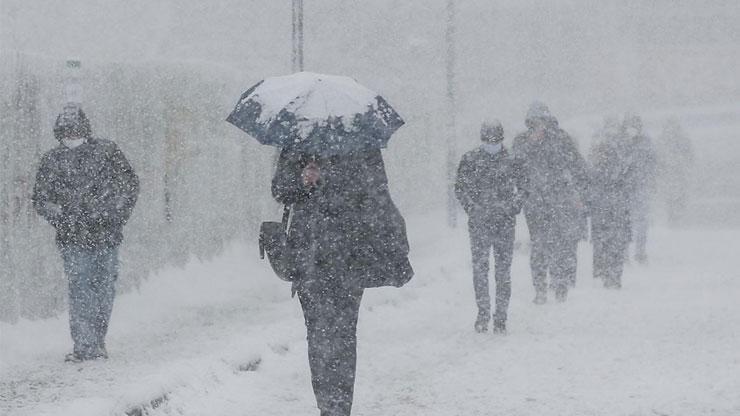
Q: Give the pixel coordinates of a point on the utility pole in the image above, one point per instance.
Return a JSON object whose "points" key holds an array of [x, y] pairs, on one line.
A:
{"points": [[451, 131], [1, 25], [297, 56]]}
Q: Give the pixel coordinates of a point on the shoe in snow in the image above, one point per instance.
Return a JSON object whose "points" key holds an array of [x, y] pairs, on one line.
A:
{"points": [[481, 323], [499, 327], [540, 298], [612, 284], [73, 358], [561, 294], [100, 352]]}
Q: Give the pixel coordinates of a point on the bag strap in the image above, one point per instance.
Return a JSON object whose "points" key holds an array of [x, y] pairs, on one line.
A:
{"points": [[286, 218]]}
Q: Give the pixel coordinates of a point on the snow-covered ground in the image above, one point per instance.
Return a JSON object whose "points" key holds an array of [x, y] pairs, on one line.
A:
{"points": [[225, 338]]}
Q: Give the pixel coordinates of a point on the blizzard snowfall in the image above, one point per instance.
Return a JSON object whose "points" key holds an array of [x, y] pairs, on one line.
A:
{"points": [[201, 326], [225, 338]]}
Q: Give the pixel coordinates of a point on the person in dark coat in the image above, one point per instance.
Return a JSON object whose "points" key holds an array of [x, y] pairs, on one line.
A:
{"points": [[676, 161], [612, 171], [645, 166], [87, 190], [557, 181], [490, 188], [347, 235]]}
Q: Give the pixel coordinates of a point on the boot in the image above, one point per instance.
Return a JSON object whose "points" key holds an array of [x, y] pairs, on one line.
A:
{"points": [[561, 294], [540, 298], [499, 326], [613, 283], [100, 352], [73, 358], [481, 322]]}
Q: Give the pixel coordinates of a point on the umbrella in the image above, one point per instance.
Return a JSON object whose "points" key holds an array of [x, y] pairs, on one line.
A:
{"points": [[315, 113]]}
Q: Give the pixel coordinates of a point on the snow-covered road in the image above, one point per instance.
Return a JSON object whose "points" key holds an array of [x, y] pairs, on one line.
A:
{"points": [[666, 344]]}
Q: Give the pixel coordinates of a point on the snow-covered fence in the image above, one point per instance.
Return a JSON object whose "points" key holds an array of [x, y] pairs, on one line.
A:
{"points": [[202, 182]]}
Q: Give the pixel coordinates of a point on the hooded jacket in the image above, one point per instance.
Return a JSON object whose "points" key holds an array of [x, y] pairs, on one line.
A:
{"points": [[86, 193], [557, 180]]}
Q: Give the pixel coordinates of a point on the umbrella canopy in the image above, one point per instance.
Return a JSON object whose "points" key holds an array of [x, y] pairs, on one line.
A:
{"points": [[315, 113]]}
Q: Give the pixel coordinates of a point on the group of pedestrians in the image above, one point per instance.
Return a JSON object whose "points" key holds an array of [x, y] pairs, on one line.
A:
{"points": [[557, 189], [347, 235]]}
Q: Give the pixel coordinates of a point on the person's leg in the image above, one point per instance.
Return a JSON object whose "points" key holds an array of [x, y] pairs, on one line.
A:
{"points": [[563, 270], [481, 240], [78, 266], [610, 278], [672, 203], [344, 359], [682, 200], [599, 237], [639, 231], [616, 252], [311, 302], [539, 258], [503, 251], [598, 255], [331, 323], [106, 269]]}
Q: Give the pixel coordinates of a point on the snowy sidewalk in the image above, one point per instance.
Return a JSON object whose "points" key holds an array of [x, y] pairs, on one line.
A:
{"points": [[666, 344], [180, 324]]}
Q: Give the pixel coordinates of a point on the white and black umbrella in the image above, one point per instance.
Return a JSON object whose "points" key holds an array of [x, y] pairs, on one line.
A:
{"points": [[315, 113]]}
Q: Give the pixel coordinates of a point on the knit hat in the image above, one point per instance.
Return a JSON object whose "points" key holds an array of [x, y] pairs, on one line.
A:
{"points": [[72, 122], [491, 131], [539, 111]]}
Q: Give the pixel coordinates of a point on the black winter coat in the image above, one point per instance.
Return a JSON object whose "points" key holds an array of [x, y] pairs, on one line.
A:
{"points": [[557, 181], [86, 193], [645, 168], [346, 230], [613, 172], [490, 185]]}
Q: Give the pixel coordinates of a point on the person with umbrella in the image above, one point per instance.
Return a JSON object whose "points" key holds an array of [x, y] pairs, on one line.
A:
{"points": [[345, 232]]}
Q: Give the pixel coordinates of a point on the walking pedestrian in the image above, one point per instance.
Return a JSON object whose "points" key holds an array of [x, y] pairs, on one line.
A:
{"points": [[491, 190], [557, 182], [86, 188]]}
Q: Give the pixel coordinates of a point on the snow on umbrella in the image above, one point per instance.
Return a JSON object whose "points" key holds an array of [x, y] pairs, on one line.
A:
{"points": [[315, 113]]}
